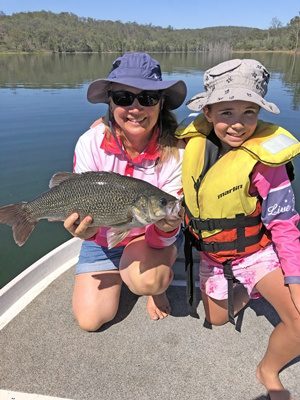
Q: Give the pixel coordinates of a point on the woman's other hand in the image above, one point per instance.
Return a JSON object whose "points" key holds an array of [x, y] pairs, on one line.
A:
{"points": [[170, 224], [82, 230]]}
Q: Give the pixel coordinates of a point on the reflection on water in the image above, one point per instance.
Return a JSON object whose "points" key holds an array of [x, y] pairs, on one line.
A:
{"points": [[71, 70], [44, 110]]}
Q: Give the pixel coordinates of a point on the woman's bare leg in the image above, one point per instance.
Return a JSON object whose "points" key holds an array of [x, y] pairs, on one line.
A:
{"points": [[148, 271], [96, 298]]}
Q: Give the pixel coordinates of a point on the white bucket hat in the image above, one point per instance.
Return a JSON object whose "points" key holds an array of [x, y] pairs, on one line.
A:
{"points": [[234, 80]]}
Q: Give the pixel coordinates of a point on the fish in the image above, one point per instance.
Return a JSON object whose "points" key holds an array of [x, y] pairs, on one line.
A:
{"points": [[115, 201]]}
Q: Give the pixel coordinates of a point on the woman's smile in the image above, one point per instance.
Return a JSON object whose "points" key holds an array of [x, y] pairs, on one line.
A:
{"points": [[136, 121]]}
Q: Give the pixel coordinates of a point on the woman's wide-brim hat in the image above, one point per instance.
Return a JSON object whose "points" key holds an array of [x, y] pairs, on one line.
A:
{"points": [[139, 71], [231, 80]]}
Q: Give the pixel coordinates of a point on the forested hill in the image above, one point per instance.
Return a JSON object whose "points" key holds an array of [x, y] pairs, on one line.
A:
{"points": [[66, 32]]}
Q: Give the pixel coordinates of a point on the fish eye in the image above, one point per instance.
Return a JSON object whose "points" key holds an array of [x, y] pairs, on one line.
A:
{"points": [[163, 202]]}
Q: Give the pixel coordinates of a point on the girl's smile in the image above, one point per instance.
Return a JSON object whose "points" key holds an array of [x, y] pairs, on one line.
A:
{"points": [[233, 121]]}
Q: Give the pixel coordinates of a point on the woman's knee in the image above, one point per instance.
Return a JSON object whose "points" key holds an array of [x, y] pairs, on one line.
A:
{"points": [[151, 282], [96, 299], [91, 321]]}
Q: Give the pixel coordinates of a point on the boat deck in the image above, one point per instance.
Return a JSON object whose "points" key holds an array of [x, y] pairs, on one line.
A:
{"points": [[44, 352]]}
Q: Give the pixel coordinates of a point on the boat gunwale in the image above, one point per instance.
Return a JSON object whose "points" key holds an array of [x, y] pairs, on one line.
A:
{"points": [[21, 290]]}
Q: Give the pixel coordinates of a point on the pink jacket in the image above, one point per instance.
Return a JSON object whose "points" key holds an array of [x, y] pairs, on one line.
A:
{"points": [[93, 152], [279, 216]]}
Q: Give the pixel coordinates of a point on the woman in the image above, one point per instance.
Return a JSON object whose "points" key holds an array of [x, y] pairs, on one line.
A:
{"points": [[135, 138]]}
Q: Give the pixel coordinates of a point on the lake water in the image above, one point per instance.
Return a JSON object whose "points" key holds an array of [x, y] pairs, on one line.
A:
{"points": [[43, 111]]}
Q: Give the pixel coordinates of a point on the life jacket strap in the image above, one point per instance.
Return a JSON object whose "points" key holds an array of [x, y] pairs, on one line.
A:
{"points": [[189, 263], [231, 279], [210, 224], [238, 244]]}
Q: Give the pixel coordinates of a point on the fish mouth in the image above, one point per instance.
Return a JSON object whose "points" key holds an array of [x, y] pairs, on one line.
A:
{"points": [[173, 209]]}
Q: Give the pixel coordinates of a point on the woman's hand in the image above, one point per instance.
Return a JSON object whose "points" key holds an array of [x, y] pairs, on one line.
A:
{"points": [[170, 224], [83, 230], [295, 294]]}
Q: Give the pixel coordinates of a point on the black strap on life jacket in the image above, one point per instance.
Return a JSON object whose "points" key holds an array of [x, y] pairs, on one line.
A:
{"points": [[212, 149], [240, 223], [210, 224], [231, 279], [189, 242], [238, 244], [290, 170], [189, 263]]}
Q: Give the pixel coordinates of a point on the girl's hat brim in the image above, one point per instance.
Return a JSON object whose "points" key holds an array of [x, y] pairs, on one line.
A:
{"points": [[200, 100], [232, 80], [174, 91]]}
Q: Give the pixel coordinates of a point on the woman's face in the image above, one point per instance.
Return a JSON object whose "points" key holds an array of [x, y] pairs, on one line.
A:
{"points": [[134, 120], [233, 121]]}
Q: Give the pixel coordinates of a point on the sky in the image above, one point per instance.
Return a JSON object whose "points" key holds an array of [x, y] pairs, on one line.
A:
{"points": [[176, 13]]}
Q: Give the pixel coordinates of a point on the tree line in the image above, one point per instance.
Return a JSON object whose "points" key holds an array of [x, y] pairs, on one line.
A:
{"points": [[67, 32]]}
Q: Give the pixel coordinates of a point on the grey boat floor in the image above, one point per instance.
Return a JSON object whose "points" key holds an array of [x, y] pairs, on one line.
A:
{"points": [[43, 351]]}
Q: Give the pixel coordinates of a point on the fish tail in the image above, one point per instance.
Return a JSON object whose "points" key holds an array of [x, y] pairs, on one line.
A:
{"points": [[19, 219]]}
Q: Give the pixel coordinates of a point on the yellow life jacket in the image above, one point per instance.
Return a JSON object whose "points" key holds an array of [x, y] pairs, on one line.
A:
{"points": [[219, 207]]}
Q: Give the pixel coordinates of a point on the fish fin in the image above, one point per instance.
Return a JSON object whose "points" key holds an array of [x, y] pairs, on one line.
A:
{"points": [[21, 222], [60, 177], [115, 236]]}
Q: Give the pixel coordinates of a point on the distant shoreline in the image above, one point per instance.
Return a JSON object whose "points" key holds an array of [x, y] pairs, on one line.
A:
{"points": [[159, 52]]}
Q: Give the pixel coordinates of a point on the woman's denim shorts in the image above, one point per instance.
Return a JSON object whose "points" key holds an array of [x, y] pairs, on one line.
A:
{"points": [[95, 258]]}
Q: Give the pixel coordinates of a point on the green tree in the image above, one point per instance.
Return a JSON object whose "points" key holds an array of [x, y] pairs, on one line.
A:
{"points": [[275, 23], [294, 28]]}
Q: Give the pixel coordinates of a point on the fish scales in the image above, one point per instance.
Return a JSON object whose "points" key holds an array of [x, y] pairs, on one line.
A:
{"points": [[112, 200], [102, 195]]}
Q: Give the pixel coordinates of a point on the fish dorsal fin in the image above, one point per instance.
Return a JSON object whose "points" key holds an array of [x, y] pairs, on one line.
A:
{"points": [[60, 177]]}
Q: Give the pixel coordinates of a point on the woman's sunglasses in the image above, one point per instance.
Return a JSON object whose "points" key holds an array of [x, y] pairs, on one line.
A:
{"points": [[146, 98]]}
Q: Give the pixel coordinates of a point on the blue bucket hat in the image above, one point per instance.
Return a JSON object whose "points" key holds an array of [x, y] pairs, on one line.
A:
{"points": [[139, 71]]}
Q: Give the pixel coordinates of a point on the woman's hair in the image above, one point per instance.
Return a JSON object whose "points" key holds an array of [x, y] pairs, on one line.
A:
{"points": [[167, 123]]}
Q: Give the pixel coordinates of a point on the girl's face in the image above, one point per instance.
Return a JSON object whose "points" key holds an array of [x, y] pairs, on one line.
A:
{"points": [[233, 121], [135, 120]]}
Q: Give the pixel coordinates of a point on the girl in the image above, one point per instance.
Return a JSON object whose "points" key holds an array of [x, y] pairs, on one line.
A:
{"points": [[240, 208]]}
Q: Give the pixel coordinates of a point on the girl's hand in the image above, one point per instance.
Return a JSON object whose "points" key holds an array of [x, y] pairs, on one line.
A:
{"points": [[295, 294], [83, 230]]}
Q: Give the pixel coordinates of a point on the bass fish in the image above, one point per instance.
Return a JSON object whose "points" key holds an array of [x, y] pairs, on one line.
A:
{"points": [[112, 200]]}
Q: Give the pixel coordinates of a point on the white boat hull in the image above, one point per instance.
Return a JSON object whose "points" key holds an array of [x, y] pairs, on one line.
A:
{"points": [[19, 292]]}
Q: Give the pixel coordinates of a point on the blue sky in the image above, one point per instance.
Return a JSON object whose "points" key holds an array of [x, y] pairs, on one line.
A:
{"points": [[177, 13]]}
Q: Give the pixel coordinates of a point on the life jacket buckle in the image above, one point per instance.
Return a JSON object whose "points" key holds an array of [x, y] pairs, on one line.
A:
{"points": [[194, 225], [210, 224]]}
